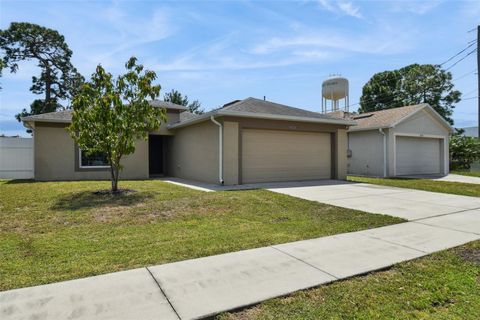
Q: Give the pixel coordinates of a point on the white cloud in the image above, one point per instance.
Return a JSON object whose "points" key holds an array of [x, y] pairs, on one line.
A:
{"points": [[227, 62], [384, 42], [116, 34], [341, 7], [417, 7], [349, 9]]}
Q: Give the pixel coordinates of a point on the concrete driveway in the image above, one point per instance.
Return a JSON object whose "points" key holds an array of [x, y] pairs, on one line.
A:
{"points": [[408, 204], [459, 178]]}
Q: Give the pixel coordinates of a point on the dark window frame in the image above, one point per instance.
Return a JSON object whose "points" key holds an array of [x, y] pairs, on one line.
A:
{"points": [[81, 166]]}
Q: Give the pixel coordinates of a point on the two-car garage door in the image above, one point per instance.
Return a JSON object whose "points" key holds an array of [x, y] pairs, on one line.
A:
{"points": [[275, 155], [415, 155]]}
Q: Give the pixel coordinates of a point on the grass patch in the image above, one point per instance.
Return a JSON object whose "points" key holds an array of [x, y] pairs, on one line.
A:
{"points": [[445, 285], [465, 189], [53, 231], [467, 173]]}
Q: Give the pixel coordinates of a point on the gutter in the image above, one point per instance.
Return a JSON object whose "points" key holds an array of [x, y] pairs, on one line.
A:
{"points": [[288, 118], [27, 125], [384, 152], [27, 119], [220, 149], [265, 116]]}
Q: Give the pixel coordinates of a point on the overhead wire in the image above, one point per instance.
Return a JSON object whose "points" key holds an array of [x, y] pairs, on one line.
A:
{"points": [[448, 60]]}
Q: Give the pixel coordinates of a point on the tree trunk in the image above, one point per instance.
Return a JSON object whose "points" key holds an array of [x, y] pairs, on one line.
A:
{"points": [[48, 87], [114, 178]]}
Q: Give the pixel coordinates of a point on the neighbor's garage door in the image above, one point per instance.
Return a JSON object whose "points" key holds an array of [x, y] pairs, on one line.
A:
{"points": [[273, 155], [417, 156]]}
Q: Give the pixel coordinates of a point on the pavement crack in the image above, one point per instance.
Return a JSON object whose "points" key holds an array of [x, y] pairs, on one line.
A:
{"points": [[164, 294], [443, 214], [446, 228], [395, 243], [308, 264]]}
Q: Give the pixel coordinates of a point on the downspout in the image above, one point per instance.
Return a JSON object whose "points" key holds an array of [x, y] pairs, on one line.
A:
{"points": [[384, 152], [220, 149]]}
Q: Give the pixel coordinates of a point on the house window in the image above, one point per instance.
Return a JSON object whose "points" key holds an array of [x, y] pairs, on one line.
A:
{"points": [[94, 160]]}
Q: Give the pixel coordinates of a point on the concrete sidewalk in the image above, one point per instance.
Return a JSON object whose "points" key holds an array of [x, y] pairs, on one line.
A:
{"points": [[198, 288]]}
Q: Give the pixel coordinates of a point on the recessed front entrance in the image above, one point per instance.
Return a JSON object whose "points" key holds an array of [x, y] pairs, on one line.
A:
{"points": [[156, 155]]}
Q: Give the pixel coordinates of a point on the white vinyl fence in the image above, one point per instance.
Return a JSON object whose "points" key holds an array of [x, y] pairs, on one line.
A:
{"points": [[16, 158]]}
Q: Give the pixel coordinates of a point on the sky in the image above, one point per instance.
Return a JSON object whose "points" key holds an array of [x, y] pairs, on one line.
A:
{"points": [[219, 51]]}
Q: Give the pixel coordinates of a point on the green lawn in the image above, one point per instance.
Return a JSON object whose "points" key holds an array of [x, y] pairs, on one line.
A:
{"points": [[467, 173], [466, 189], [53, 231], [445, 285]]}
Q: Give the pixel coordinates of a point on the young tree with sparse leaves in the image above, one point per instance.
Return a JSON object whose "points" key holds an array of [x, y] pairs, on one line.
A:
{"points": [[176, 97], [413, 84], [110, 114], [58, 79]]}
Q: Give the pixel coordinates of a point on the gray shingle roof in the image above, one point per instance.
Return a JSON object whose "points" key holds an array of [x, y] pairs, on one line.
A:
{"points": [[254, 105], [59, 116], [383, 118], [167, 105], [66, 115], [186, 115], [256, 108]]}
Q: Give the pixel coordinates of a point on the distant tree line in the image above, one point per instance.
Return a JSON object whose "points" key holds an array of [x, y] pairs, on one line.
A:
{"points": [[413, 84], [58, 81], [176, 97]]}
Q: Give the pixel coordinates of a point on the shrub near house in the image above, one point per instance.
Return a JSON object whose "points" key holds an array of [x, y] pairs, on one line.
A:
{"points": [[463, 151]]}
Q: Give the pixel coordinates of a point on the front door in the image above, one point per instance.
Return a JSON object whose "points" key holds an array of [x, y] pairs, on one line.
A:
{"points": [[155, 155]]}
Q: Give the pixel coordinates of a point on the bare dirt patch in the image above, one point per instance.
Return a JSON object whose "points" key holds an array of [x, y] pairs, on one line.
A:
{"points": [[119, 192], [471, 255]]}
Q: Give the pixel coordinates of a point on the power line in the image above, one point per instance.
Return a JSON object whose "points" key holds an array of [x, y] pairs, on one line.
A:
{"points": [[471, 91], [469, 98], [458, 61], [464, 75], [469, 45], [457, 54]]}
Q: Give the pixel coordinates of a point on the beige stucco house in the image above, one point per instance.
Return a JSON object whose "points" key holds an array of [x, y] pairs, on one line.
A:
{"points": [[406, 141], [245, 141]]}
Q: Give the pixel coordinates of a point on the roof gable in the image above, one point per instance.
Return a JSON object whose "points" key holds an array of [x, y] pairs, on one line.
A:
{"points": [[424, 121], [384, 118], [391, 117]]}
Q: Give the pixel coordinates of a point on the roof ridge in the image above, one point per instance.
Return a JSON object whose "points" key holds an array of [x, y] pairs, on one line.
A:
{"points": [[227, 105], [284, 105], [396, 108]]}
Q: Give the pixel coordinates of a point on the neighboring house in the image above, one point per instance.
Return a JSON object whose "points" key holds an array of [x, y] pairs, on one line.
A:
{"points": [[405, 141], [16, 158], [471, 132], [245, 141]]}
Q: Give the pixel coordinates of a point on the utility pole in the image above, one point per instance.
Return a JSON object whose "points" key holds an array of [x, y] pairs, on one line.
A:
{"points": [[478, 78]]}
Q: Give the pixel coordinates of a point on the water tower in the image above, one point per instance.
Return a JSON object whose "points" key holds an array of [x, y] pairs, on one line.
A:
{"points": [[335, 94]]}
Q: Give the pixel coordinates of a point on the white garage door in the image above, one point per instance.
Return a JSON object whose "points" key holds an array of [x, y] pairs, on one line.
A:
{"points": [[273, 155], [417, 156]]}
